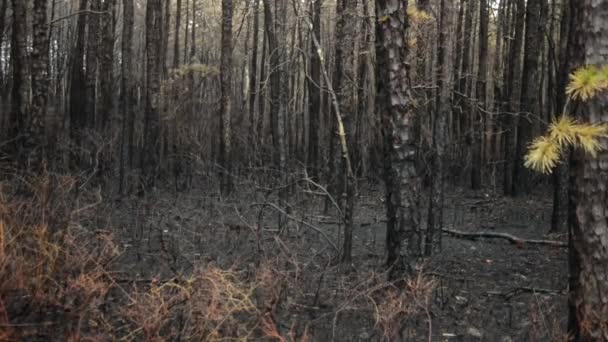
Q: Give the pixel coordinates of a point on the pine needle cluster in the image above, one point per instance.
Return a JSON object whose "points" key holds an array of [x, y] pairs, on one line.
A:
{"points": [[545, 152]]}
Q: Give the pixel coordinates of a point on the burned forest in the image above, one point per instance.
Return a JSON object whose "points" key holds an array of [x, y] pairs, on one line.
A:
{"points": [[304, 170]]}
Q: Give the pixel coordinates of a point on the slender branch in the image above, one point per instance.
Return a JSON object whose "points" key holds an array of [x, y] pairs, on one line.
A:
{"points": [[318, 230], [78, 13], [512, 239]]}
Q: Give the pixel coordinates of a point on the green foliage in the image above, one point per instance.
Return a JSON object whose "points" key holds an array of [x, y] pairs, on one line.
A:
{"points": [[545, 152]]}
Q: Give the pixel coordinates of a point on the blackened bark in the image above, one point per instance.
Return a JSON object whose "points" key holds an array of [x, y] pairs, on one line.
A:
{"points": [[40, 83], [482, 74], [589, 296], [400, 174], [226, 96], [193, 32], [440, 136], [314, 95], [93, 44], [513, 96], [178, 19], [106, 63], [150, 161], [166, 29], [253, 74], [561, 175], [20, 105], [78, 92], [276, 81], [127, 99], [345, 88], [529, 93]]}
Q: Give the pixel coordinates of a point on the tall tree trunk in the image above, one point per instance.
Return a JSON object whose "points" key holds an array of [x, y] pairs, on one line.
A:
{"points": [[3, 7], [77, 85], [127, 99], [529, 92], [93, 44], [400, 174], [106, 63], [590, 231], [19, 132], [346, 31], [482, 74], [226, 96], [261, 90], [186, 35], [462, 100], [513, 97], [276, 81], [193, 32], [314, 94], [559, 217], [153, 72], [166, 29], [253, 74], [459, 50], [178, 19], [40, 83], [440, 136]]}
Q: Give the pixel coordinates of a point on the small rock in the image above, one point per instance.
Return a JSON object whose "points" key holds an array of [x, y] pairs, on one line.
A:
{"points": [[365, 336], [474, 332], [461, 300]]}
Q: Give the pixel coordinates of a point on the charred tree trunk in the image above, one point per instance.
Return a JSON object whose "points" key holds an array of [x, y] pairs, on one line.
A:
{"points": [[77, 86], [276, 81], [513, 96], [529, 93], [345, 88], [226, 96], [400, 174], [186, 34], [440, 136], [19, 132], [106, 63], [193, 32], [3, 86], [166, 28], [127, 99], [559, 217], [150, 161], [178, 19], [478, 118], [314, 95], [253, 74], [590, 231], [40, 83], [93, 44]]}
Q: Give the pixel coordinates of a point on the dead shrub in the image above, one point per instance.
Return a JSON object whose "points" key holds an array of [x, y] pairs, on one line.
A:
{"points": [[52, 270]]}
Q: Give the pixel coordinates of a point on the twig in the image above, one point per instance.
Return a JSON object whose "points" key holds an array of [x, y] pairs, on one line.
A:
{"points": [[299, 221], [525, 289], [77, 13], [512, 239]]}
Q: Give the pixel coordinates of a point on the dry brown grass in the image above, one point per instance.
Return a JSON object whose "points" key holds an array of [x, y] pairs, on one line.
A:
{"points": [[58, 281]]}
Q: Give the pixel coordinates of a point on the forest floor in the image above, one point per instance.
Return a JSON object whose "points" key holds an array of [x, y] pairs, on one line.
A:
{"points": [[484, 289]]}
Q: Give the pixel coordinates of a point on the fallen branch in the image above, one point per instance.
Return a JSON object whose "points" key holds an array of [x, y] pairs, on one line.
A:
{"points": [[512, 239], [318, 230], [519, 290]]}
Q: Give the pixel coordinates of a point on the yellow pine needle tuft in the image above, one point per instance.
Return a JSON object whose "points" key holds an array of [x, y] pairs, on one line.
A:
{"points": [[543, 155], [563, 131], [585, 83], [588, 137], [418, 16]]}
